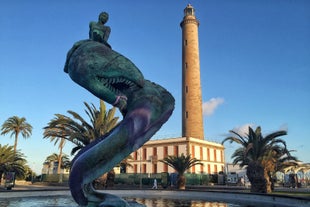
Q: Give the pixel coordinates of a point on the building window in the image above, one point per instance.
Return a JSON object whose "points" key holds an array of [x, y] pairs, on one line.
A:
{"points": [[135, 155], [209, 169], [201, 153], [186, 65], [215, 158], [193, 151], [154, 151], [193, 169], [144, 168], [222, 156], [165, 168], [165, 152], [208, 154], [188, 11], [144, 154], [176, 151], [185, 42], [186, 89], [154, 168], [201, 168], [135, 168], [215, 168], [186, 114]]}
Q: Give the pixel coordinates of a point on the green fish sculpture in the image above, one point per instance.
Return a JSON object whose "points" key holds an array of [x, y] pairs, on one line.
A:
{"points": [[145, 107]]}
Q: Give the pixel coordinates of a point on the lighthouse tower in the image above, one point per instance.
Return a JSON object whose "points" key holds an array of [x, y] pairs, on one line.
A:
{"points": [[192, 121]]}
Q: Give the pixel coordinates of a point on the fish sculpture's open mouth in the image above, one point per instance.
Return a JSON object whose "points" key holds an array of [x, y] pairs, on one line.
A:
{"points": [[120, 86], [117, 84]]}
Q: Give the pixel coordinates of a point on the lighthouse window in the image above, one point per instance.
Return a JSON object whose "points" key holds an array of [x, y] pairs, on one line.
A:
{"points": [[186, 89], [189, 11]]}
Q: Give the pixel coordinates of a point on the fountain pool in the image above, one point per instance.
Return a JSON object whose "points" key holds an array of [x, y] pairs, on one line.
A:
{"points": [[153, 198]]}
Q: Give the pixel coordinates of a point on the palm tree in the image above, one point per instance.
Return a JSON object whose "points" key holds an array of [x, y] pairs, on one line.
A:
{"points": [[51, 133], [261, 155], [124, 164], [16, 125], [12, 161], [181, 164], [63, 161], [77, 130], [297, 167], [275, 161]]}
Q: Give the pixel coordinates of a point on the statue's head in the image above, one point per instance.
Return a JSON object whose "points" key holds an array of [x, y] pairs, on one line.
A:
{"points": [[103, 17]]}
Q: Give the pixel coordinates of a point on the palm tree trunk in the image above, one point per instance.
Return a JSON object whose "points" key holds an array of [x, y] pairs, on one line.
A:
{"points": [[181, 182], [15, 142], [59, 165], [256, 175], [59, 161], [268, 182], [1, 173]]}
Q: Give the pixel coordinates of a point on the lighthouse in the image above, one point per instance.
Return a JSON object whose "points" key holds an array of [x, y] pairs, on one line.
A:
{"points": [[192, 118]]}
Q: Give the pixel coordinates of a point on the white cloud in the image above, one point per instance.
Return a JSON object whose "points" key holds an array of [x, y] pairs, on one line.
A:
{"points": [[243, 130], [284, 127], [209, 107]]}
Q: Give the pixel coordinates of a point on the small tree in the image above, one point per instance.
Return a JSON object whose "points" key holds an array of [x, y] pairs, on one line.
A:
{"points": [[181, 164], [124, 164], [12, 161]]}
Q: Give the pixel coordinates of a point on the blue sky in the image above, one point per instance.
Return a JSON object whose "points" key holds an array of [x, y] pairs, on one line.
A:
{"points": [[254, 55]]}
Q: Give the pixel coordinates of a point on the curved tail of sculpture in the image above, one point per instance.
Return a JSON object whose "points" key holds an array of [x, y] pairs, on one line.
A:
{"points": [[145, 106], [137, 127]]}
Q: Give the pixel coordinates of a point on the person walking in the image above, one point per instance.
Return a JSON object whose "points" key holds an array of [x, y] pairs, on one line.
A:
{"points": [[155, 184]]}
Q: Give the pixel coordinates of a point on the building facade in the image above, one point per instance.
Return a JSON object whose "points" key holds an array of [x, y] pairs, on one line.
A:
{"points": [[146, 159]]}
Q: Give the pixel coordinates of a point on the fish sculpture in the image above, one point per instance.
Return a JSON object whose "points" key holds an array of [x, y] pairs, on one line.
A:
{"points": [[145, 107]]}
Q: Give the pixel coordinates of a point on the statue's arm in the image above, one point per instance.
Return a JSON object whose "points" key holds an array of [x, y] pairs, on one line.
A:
{"points": [[106, 33], [91, 30]]}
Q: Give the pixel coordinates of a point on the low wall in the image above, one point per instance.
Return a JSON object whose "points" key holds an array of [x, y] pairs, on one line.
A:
{"points": [[55, 178], [229, 197]]}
